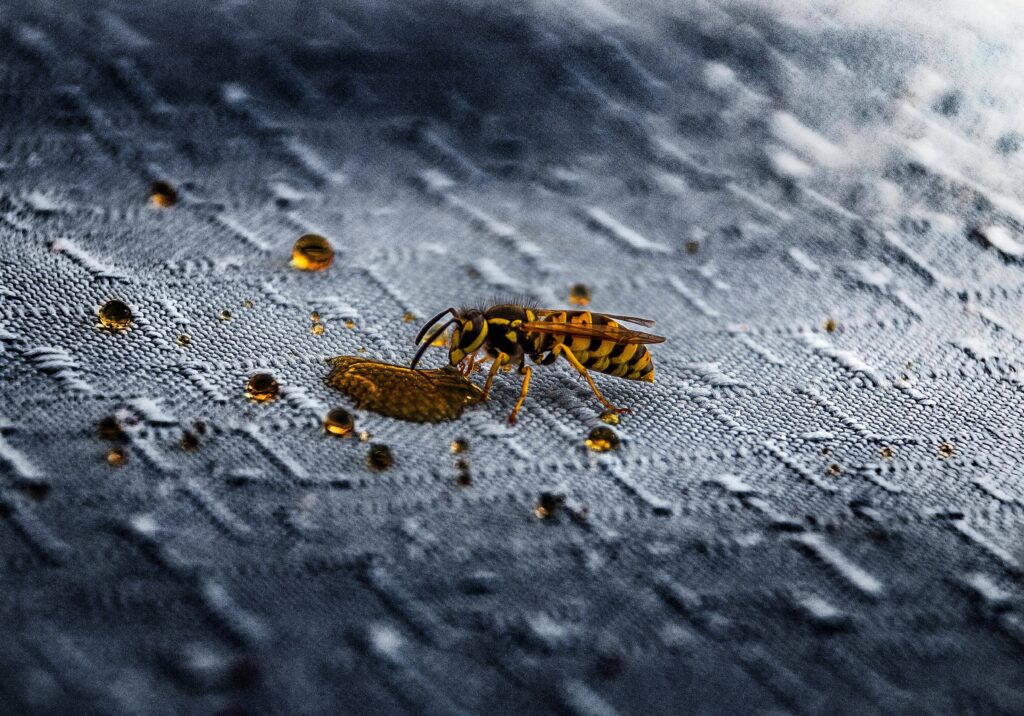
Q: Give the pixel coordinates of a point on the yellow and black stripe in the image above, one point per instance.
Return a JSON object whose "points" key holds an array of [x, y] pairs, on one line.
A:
{"points": [[631, 361]]}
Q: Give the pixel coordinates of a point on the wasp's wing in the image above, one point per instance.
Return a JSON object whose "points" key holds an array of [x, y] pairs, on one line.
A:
{"points": [[627, 319], [615, 334]]}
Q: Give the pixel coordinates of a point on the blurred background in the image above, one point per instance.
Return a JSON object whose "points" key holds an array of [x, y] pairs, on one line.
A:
{"points": [[816, 508]]}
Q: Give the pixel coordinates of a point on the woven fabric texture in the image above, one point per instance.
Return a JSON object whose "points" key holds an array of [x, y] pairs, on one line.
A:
{"points": [[818, 507]]}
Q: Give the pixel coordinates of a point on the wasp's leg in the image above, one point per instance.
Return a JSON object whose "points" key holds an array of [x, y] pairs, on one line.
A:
{"points": [[470, 365], [499, 360], [575, 362], [527, 372]]}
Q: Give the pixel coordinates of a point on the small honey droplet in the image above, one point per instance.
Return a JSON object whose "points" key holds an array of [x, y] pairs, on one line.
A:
{"points": [[116, 457], [184, 340], [830, 325], [115, 315], [602, 440], [463, 478], [315, 317], [37, 491], [887, 453], [224, 315], [189, 442], [339, 422], [409, 317], [834, 469], [247, 303], [946, 450], [364, 436], [378, 457], [317, 329], [109, 429], [262, 388], [350, 324], [826, 450], [579, 295], [610, 417], [312, 252], [162, 195], [692, 247], [548, 505], [459, 445]]}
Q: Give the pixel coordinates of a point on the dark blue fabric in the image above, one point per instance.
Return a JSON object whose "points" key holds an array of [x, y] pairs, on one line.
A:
{"points": [[816, 508]]}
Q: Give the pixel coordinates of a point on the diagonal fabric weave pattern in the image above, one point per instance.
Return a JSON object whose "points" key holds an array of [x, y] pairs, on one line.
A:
{"points": [[817, 508]]}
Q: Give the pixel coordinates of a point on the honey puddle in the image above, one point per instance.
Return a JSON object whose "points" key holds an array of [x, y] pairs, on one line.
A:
{"points": [[422, 396]]}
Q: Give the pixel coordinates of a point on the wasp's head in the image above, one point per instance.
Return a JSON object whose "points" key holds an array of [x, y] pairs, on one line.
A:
{"points": [[468, 335]]}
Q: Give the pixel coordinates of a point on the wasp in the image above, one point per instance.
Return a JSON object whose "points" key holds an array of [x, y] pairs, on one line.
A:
{"points": [[508, 333]]}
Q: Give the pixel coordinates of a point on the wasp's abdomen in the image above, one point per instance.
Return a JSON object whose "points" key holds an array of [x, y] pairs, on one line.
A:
{"points": [[631, 361]]}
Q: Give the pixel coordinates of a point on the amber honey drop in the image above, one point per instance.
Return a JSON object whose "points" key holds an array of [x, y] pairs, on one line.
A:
{"points": [[463, 478], [834, 469], [350, 324], [184, 340], [610, 417], [339, 422], [115, 315], [946, 450], [109, 429], [830, 325], [162, 195], [887, 453], [190, 442], [312, 252], [247, 303], [317, 329], [262, 387], [548, 505], [224, 315], [602, 440], [459, 446], [409, 317], [692, 247], [378, 457], [116, 457], [579, 295]]}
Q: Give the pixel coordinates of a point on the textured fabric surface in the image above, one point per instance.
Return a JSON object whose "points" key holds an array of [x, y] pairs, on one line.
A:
{"points": [[817, 507]]}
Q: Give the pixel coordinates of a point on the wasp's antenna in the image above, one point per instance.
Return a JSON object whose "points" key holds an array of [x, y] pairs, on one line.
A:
{"points": [[433, 336], [432, 321]]}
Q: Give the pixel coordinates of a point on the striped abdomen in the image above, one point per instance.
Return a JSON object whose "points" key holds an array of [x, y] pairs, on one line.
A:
{"points": [[632, 361]]}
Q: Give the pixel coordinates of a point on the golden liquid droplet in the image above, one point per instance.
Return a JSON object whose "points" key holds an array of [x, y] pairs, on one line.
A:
{"points": [[946, 450], [463, 479], [610, 417], [548, 505], [116, 457], [887, 453], [314, 317], [162, 195], [364, 436], [350, 324], [262, 387], [602, 440], [108, 429], [317, 329], [378, 457], [312, 253], [115, 315], [37, 491], [224, 315], [834, 469], [339, 422], [826, 450], [692, 247], [184, 340], [831, 325], [458, 446], [409, 317], [189, 442], [247, 303], [579, 295]]}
